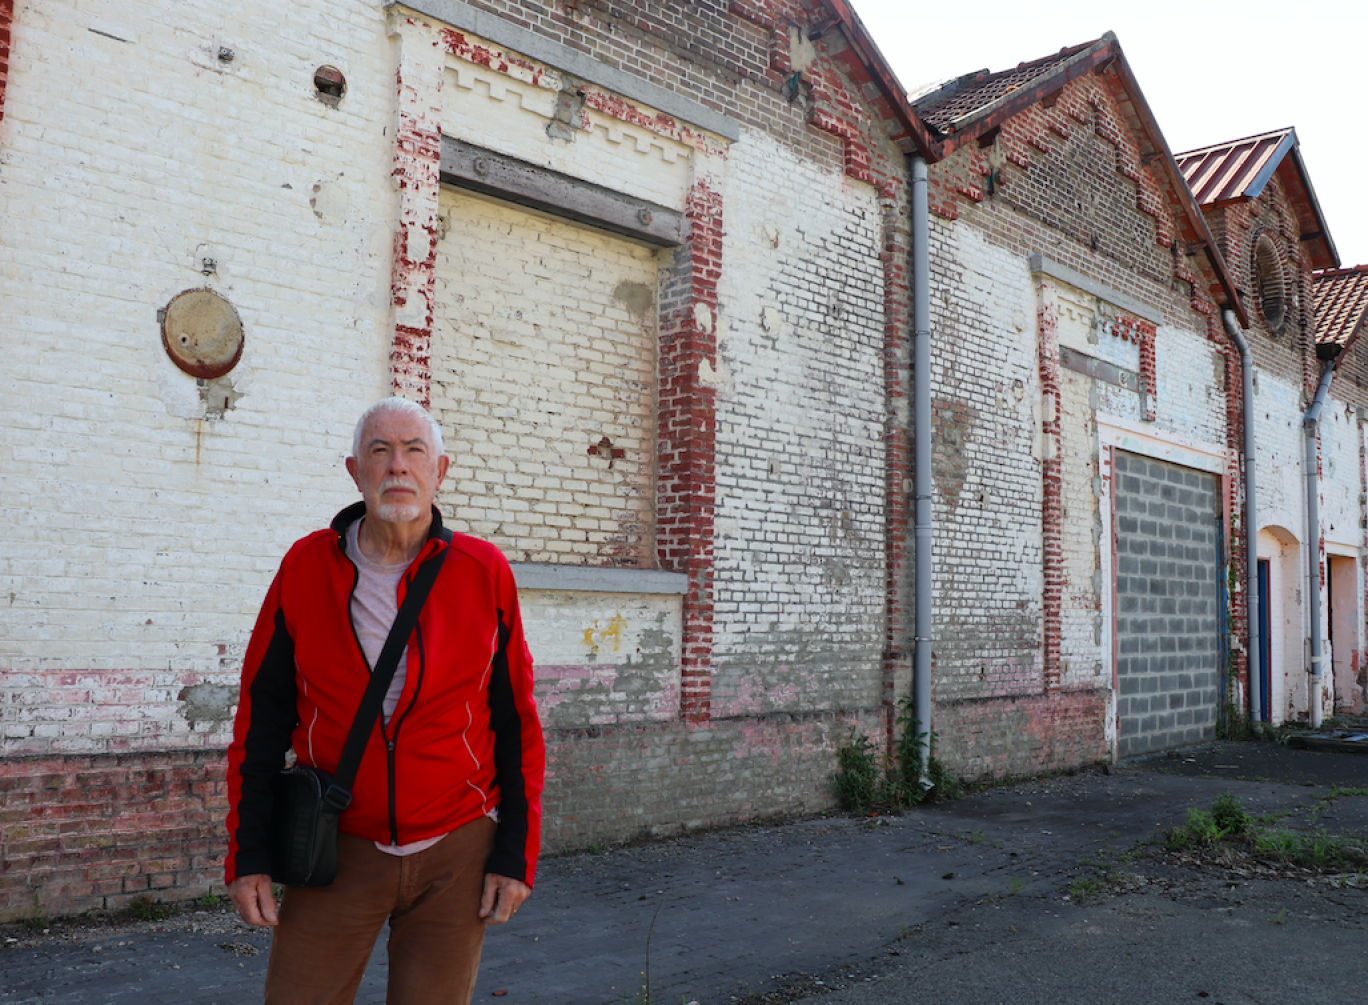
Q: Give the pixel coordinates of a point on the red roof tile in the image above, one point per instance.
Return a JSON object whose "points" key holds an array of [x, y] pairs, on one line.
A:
{"points": [[1341, 297]]}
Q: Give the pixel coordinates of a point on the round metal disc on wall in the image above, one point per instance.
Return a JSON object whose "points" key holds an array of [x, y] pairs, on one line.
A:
{"points": [[202, 333]]}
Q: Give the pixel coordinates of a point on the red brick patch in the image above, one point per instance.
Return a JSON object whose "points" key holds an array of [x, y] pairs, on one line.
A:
{"points": [[86, 832]]}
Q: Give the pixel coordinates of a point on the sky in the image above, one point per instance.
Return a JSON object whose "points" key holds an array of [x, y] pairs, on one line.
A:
{"points": [[1210, 71]]}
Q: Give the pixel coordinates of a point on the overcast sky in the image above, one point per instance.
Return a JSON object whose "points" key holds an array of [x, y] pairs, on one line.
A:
{"points": [[1210, 71]]}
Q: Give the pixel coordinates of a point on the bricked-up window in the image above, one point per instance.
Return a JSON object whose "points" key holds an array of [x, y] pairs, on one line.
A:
{"points": [[544, 380], [1270, 283]]}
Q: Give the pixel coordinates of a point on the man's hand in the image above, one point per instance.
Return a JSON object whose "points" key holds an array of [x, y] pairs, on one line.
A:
{"points": [[501, 899], [253, 898]]}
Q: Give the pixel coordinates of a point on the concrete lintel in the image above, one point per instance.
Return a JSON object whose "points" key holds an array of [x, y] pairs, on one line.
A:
{"points": [[572, 61], [1048, 267], [480, 170], [582, 579]]}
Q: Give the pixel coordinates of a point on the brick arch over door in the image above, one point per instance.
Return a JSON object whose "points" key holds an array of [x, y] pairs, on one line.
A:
{"points": [[1167, 574]]}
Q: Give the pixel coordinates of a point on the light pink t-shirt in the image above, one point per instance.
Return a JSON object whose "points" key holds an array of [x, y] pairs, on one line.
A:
{"points": [[374, 606]]}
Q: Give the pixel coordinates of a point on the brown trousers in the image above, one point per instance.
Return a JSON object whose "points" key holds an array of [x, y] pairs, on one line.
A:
{"points": [[320, 948]]}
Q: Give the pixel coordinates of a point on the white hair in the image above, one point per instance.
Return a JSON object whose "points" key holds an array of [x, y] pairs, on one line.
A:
{"points": [[404, 407]]}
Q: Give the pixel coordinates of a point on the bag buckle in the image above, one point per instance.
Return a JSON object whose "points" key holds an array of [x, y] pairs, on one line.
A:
{"points": [[337, 798]]}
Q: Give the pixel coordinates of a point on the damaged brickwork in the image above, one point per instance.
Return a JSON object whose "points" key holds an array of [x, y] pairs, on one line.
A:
{"points": [[6, 28], [761, 455], [1020, 537], [1273, 247], [99, 831]]}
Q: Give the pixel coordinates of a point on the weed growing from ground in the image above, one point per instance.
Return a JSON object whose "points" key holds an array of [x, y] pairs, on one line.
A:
{"points": [[867, 782], [859, 783], [147, 909], [1208, 828], [1087, 888], [1228, 824]]}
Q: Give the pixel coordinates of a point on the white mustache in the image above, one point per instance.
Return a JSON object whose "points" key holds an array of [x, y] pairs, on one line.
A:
{"points": [[397, 483]]}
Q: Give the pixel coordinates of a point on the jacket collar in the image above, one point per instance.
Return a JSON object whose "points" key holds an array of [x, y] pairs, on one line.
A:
{"points": [[354, 512]]}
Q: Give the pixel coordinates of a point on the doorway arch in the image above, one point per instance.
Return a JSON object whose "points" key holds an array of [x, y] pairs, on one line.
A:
{"points": [[1283, 620]]}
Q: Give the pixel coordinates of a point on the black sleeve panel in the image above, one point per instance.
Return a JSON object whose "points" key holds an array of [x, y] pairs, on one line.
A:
{"points": [[509, 857], [274, 715]]}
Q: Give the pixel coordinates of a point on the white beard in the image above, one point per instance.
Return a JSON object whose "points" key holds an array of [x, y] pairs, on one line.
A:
{"points": [[398, 512]]}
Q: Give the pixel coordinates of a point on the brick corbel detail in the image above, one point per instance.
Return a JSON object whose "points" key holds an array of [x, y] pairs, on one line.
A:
{"points": [[832, 111], [687, 429], [417, 162], [6, 26], [779, 60], [1052, 499], [1149, 368], [854, 153]]}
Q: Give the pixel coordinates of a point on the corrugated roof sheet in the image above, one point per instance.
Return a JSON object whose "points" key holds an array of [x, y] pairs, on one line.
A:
{"points": [[1341, 297], [970, 94], [1235, 170]]}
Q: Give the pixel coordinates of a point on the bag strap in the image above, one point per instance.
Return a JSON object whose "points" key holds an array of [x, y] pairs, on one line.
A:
{"points": [[338, 794]]}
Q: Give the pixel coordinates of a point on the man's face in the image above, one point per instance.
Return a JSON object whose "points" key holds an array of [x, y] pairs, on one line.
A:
{"points": [[397, 469]]}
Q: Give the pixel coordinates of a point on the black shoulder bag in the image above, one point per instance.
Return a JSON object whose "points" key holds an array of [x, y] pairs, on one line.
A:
{"points": [[307, 802]]}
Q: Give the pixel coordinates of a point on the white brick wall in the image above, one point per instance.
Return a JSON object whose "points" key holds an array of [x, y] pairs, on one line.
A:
{"points": [[1342, 526], [142, 535], [1191, 384], [1281, 480], [1340, 507], [544, 344], [986, 467], [799, 582]]}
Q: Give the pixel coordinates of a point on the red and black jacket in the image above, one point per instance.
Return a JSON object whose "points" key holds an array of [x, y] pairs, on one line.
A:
{"points": [[464, 738]]}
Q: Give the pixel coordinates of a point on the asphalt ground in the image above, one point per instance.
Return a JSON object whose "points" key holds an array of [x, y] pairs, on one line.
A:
{"points": [[966, 901]]}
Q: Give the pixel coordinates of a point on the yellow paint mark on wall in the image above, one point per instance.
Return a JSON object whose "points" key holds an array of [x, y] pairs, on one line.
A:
{"points": [[596, 638]]}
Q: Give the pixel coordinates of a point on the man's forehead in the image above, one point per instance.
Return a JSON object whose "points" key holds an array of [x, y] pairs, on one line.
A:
{"points": [[394, 427]]}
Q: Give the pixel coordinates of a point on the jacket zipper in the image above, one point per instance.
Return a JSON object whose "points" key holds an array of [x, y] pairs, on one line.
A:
{"points": [[392, 740]]}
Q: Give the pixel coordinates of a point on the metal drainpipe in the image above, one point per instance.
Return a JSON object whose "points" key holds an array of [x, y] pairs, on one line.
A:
{"points": [[1232, 327], [1310, 427], [921, 463]]}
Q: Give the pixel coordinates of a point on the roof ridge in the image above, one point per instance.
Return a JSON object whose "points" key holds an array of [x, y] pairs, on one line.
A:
{"points": [[1230, 143], [933, 107], [1063, 53], [953, 84], [1346, 270]]}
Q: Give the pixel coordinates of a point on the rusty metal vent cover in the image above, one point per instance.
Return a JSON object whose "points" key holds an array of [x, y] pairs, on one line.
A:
{"points": [[202, 333]]}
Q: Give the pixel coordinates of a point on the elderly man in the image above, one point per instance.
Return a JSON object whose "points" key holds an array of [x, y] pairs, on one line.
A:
{"points": [[442, 834]]}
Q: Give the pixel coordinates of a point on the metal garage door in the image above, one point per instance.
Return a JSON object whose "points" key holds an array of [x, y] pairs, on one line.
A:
{"points": [[1166, 592]]}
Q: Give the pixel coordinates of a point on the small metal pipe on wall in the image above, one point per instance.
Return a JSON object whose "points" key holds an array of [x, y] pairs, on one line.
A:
{"points": [[1251, 517], [921, 463], [1311, 429]]}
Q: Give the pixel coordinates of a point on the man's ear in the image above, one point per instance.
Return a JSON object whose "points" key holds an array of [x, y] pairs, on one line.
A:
{"points": [[351, 470], [443, 463]]}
